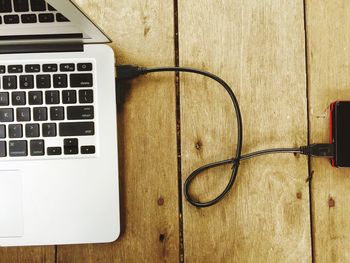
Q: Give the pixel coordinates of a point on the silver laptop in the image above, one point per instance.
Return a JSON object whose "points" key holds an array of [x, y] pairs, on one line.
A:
{"points": [[58, 135]]}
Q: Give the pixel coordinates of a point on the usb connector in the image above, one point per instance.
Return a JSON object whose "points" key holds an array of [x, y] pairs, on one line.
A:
{"points": [[318, 150], [127, 72], [124, 74]]}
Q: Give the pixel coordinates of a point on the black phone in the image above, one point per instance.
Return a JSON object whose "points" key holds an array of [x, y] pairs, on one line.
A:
{"points": [[340, 133]]}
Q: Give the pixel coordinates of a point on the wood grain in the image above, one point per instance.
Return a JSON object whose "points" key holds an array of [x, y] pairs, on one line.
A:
{"points": [[28, 254], [258, 47], [329, 80], [142, 32]]}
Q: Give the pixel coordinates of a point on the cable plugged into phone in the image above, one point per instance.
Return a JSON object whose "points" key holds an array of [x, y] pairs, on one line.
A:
{"points": [[318, 150], [128, 72]]}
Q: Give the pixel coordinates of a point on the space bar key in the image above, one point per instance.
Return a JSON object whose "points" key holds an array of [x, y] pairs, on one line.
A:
{"points": [[77, 129]]}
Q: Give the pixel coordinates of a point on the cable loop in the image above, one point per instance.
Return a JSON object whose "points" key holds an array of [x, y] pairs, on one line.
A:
{"points": [[238, 155]]}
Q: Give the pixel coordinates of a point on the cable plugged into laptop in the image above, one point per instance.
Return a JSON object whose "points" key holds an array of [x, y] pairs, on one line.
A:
{"points": [[125, 73], [128, 72]]}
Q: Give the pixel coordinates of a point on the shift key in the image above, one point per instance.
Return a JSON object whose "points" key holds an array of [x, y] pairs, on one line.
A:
{"points": [[77, 129], [80, 112]]}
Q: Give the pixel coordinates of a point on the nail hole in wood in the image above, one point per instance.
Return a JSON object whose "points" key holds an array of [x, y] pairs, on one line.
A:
{"points": [[199, 145], [299, 195], [161, 237], [160, 201]]}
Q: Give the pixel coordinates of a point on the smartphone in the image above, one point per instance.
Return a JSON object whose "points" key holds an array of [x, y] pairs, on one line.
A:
{"points": [[340, 133]]}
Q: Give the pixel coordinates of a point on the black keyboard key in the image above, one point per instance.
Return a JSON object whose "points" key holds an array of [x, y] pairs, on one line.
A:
{"points": [[23, 114], [5, 6], [71, 142], [40, 114], [84, 66], [34, 68], [43, 81], [9, 82], [60, 81], [81, 80], [18, 148], [4, 98], [57, 113], [69, 97], [3, 151], [54, 151], [52, 97], [21, 5], [51, 8], [18, 98], [61, 18], [80, 112], [49, 130], [15, 69], [26, 82], [2, 68], [71, 150], [67, 67], [87, 149], [28, 19], [35, 98], [15, 131], [86, 96], [38, 5], [71, 146], [11, 19], [76, 129], [50, 68], [46, 18], [6, 115], [2, 131], [37, 147], [32, 130]]}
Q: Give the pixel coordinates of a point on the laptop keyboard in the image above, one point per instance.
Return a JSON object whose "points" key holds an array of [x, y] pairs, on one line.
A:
{"points": [[28, 12], [47, 109]]}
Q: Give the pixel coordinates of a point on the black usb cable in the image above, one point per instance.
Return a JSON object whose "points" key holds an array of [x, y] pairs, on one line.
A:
{"points": [[127, 72]]}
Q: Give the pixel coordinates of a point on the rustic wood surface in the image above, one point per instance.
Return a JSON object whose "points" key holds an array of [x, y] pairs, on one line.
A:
{"points": [[329, 80], [286, 61], [259, 49]]}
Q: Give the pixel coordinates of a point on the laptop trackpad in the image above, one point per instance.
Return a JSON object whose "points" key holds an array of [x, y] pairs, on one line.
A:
{"points": [[11, 206]]}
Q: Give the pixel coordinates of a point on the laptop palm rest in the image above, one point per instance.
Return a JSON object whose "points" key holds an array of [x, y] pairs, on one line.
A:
{"points": [[11, 204]]}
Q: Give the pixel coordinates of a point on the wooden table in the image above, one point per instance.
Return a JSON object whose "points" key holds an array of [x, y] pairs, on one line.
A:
{"points": [[286, 61]]}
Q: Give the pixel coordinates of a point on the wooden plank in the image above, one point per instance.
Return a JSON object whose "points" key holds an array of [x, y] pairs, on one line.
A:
{"points": [[28, 254], [258, 47], [142, 32], [328, 24]]}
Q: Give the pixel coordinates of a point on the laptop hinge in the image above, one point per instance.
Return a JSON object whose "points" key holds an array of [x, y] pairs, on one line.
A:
{"points": [[41, 48]]}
